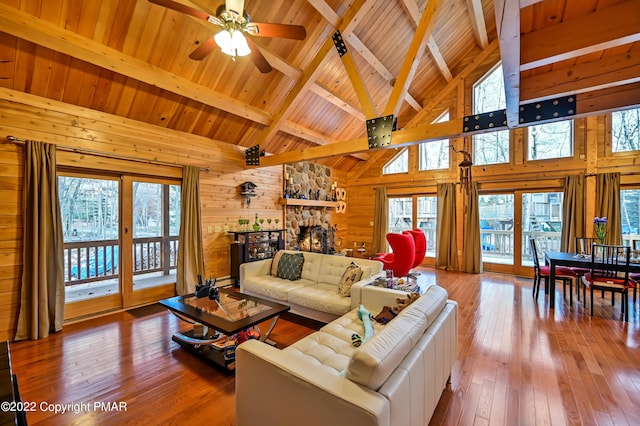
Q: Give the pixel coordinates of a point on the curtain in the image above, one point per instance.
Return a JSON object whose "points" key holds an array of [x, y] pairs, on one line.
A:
{"points": [[190, 261], [608, 205], [380, 221], [42, 293], [447, 248], [573, 212], [472, 251]]}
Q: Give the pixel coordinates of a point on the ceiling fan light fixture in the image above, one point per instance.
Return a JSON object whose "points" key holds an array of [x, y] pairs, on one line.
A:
{"points": [[232, 42]]}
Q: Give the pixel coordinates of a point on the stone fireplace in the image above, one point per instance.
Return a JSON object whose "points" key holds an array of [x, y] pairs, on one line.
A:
{"points": [[307, 181]]}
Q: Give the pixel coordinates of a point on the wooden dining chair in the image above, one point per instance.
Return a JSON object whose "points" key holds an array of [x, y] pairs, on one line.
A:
{"points": [[542, 273], [634, 278], [609, 271], [582, 247]]}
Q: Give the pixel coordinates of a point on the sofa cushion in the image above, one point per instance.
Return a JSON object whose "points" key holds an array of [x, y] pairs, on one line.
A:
{"points": [[324, 350], [349, 323], [290, 266], [332, 269], [351, 275], [373, 362], [321, 297], [272, 287], [275, 261]]}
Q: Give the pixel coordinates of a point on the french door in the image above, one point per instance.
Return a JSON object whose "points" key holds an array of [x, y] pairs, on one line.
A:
{"points": [[120, 241]]}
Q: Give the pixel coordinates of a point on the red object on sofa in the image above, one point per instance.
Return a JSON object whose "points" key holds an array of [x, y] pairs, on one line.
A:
{"points": [[404, 251], [420, 241]]}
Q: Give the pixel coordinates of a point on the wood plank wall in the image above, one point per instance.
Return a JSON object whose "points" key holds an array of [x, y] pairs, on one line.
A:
{"points": [[30, 117], [592, 154]]}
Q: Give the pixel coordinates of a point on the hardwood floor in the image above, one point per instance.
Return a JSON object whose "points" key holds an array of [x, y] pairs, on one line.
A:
{"points": [[518, 363]]}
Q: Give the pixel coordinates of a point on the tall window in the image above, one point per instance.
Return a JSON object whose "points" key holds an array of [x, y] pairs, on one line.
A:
{"points": [[542, 220], [399, 164], [489, 95], [625, 130], [551, 140], [435, 155], [496, 228], [428, 221], [630, 215]]}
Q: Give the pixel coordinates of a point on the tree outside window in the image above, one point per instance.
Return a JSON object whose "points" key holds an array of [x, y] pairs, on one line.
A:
{"points": [[551, 140], [435, 155], [489, 95], [625, 130]]}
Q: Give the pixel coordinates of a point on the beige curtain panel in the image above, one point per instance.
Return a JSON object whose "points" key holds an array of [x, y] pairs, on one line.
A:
{"points": [[42, 292], [472, 252], [380, 221], [190, 261], [446, 245], [608, 205], [573, 212]]}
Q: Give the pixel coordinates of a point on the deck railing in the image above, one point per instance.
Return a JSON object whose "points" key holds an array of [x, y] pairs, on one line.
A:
{"points": [[89, 261]]}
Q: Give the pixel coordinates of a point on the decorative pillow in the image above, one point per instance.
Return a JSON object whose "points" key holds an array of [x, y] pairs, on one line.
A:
{"points": [[290, 266], [351, 275], [274, 263]]}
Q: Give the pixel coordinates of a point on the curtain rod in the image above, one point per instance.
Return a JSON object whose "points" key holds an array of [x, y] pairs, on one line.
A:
{"points": [[13, 139]]}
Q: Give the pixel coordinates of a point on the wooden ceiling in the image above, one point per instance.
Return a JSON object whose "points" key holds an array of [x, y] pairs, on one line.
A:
{"points": [[131, 58]]}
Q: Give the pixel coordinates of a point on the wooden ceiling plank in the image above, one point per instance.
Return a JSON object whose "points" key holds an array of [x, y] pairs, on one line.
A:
{"points": [[325, 93], [508, 27], [616, 25], [280, 64], [28, 27], [326, 11], [477, 22], [413, 11], [372, 60], [309, 75], [366, 102], [601, 74], [412, 58]]}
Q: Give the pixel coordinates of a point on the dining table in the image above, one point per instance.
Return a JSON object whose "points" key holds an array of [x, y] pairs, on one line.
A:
{"points": [[573, 260]]}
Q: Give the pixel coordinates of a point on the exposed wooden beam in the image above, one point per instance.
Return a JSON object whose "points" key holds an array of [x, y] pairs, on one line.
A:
{"points": [[413, 11], [314, 137], [605, 28], [326, 93], [368, 56], [526, 3], [478, 25], [43, 33], [310, 73], [612, 99], [508, 27], [326, 11], [583, 77], [413, 56], [360, 88]]}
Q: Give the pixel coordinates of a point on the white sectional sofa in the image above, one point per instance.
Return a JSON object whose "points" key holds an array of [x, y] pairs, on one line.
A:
{"points": [[396, 377], [315, 295]]}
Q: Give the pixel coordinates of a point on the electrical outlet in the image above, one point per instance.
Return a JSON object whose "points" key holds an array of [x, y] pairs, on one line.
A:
{"points": [[371, 223]]}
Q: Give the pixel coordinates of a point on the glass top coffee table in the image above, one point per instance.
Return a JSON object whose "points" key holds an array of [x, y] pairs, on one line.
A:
{"points": [[233, 313]]}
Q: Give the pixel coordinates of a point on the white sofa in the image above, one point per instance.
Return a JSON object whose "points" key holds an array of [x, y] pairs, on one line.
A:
{"points": [[394, 378], [315, 295]]}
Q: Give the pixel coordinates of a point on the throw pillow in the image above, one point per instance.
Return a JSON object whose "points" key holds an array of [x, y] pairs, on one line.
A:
{"points": [[351, 275], [274, 263], [290, 266]]}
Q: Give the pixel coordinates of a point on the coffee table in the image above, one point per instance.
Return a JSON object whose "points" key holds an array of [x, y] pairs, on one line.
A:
{"points": [[233, 313]]}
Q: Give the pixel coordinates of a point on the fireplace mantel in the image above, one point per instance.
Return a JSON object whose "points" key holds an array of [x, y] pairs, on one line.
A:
{"points": [[307, 203]]}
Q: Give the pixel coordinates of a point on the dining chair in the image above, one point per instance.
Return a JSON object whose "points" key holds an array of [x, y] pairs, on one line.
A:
{"points": [[564, 274], [582, 247], [609, 271], [634, 278]]}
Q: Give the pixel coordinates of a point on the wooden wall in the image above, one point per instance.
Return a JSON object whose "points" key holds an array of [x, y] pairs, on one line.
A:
{"points": [[30, 117]]}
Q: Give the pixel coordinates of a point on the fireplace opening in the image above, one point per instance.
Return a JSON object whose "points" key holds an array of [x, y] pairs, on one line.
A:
{"points": [[317, 239]]}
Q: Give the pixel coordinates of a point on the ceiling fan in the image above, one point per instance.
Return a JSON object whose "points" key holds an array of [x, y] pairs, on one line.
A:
{"points": [[234, 38]]}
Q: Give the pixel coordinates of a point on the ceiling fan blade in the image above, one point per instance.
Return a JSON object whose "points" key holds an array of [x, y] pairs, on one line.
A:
{"points": [[181, 8], [203, 50], [237, 6], [261, 29], [258, 58]]}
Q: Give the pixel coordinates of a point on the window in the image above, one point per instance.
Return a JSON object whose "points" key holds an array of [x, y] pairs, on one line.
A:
{"points": [[551, 140], [489, 95], [630, 215], [542, 220], [428, 221], [399, 164], [625, 130], [435, 155], [400, 214], [496, 228]]}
